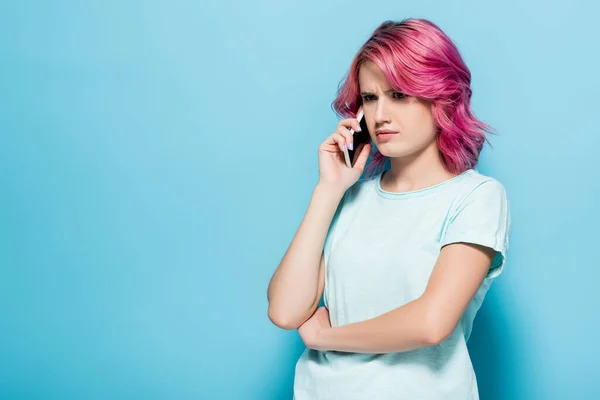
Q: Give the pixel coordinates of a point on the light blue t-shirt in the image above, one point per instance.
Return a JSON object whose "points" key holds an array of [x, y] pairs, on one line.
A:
{"points": [[379, 252]]}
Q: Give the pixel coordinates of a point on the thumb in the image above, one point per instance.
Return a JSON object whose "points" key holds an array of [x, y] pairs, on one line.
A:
{"points": [[362, 157]]}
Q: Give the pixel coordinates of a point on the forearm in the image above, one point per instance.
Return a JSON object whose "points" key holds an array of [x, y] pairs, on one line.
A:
{"points": [[293, 287], [405, 328]]}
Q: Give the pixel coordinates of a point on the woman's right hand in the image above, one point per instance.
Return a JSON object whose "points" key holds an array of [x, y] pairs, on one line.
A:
{"points": [[332, 165]]}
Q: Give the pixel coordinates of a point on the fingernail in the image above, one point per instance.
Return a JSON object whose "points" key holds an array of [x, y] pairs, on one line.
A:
{"points": [[344, 147], [358, 128], [351, 146]]}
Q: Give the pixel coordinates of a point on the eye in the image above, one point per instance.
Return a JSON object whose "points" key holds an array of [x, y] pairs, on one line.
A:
{"points": [[367, 98], [397, 95]]}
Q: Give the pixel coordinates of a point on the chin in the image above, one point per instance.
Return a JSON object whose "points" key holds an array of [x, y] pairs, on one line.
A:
{"points": [[389, 150], [395, 150]]}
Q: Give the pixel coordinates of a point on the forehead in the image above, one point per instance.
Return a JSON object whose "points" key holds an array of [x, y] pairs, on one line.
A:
{"points": [[371, 77]]}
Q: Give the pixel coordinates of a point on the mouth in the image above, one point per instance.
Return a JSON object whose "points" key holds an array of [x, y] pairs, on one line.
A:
{"points": [[385, 134]]}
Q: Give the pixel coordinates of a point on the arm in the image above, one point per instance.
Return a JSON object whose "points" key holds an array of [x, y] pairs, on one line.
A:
{"points": [[297, 284], [426, 321]]}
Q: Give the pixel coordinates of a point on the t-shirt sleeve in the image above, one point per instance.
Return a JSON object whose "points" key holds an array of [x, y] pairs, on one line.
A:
{"points": [[483, 218]]}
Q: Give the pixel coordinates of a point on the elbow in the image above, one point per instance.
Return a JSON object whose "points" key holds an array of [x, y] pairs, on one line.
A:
{"points": [[435, 329], [435, 335], [281, 320]]}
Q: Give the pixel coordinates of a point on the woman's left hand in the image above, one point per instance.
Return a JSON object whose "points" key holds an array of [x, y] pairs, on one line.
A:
{"points": [[311, 330]]}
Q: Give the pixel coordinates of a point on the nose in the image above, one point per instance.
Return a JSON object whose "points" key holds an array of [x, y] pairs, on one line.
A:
{"points": [[381, 115]]}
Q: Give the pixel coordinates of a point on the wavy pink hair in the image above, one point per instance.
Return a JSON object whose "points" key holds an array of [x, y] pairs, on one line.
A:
{"points": [[420, 60]]}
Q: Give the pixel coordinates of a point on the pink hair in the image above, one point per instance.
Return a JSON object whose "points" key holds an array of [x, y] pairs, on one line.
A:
{"points": [[420, 60]]}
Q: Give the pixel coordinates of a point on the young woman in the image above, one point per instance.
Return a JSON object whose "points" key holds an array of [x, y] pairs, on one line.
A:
{"points": [[405, 255]]}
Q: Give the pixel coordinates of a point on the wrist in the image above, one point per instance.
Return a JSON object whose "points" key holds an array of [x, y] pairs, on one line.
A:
{"points": [[330, 189], [324, 339]]}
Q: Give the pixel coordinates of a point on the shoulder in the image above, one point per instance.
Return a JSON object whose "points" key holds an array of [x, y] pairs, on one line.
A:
{"points": [[479, 186]]}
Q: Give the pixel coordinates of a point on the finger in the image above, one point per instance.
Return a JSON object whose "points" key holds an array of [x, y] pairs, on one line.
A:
{"points": [[350, 123], [334, 140], [345, 132], [341, 141]]}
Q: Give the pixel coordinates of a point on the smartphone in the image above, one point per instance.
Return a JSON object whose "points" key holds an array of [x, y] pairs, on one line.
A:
{"points": [[359, 138]]}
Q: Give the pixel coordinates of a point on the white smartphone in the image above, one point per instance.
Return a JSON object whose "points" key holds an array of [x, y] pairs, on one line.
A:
{"points": [[359, 137]]}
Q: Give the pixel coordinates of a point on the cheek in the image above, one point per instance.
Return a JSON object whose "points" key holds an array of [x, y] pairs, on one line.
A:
{"points": [[419, 122], [426, 122]]}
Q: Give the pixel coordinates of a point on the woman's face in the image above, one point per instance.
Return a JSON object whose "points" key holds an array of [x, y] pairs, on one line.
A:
{"points": [[384, 108]]}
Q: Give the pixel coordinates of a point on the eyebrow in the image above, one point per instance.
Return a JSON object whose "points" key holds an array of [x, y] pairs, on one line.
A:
{"points": [[385, 91]]}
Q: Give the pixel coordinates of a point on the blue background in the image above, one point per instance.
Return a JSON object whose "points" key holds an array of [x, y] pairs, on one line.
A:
{"points": [[156, 159]]}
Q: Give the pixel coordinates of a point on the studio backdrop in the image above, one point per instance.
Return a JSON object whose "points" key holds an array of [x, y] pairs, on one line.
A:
{"points": [[157, 157]]}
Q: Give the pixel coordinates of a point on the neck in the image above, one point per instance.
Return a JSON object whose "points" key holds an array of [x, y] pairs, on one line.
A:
{"points": [[416, 171]]}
